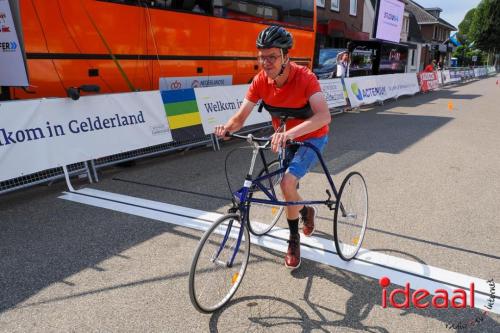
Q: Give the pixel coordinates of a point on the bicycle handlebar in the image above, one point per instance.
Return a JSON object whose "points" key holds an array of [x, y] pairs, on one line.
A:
{"points": [[250, 138]]}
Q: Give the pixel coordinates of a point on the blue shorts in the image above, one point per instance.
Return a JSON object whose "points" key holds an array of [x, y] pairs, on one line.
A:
{"points": [[303, 159]]}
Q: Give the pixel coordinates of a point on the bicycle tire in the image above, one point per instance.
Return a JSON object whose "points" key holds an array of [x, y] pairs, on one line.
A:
{"points": [[350, 220], [217, 260], [258, 225]]}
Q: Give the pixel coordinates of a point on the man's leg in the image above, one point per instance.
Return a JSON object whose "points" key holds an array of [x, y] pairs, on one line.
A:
{"points": [[289, 189]]}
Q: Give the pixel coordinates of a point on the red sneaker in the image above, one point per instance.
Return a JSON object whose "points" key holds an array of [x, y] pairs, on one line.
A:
{"points": [[292, 258], [308, 221]]}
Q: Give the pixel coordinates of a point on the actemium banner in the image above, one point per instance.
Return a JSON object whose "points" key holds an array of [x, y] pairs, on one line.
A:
{"points": [[370, 89], [12, 64]]}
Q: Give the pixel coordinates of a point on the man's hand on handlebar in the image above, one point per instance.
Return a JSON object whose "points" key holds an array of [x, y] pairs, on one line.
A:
{"points": [[221, 132], [280, 140]]}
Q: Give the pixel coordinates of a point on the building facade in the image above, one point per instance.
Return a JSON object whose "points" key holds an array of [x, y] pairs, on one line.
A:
{"points": [[435, 34], [339, 21]]}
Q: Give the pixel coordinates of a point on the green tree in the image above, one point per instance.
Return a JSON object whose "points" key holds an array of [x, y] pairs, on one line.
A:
{"points": [[488, 35], [464, 26]]}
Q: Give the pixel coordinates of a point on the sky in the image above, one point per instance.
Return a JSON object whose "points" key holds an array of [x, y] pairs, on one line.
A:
{"points": [[453, 10]]}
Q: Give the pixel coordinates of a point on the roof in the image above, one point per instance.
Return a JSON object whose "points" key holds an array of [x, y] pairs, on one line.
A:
{"points": [[424, 17], [414, 32]]}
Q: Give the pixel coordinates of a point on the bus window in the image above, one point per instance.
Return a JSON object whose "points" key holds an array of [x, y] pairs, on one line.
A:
{"points": [[195, 6], [292, 13]]}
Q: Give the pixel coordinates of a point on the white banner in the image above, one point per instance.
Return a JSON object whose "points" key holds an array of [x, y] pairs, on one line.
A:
{"points": [[12, 69], [334, 92], [390, 20], [40, 134], [370, 89], [480, 71], [491, 70], [218, 104], [187, 82], [450, 76]]}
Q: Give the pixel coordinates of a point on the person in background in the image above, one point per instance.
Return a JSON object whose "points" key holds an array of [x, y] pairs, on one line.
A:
{"points": [[343, 66], [343, 63], [430, 67]]}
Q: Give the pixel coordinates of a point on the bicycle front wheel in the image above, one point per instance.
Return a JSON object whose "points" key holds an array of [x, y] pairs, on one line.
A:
{"points": [[263, 217], [351, 216], [219, 263]]}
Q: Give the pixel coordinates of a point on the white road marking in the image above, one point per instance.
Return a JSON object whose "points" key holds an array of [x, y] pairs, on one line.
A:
{"points": [[367, 263]]}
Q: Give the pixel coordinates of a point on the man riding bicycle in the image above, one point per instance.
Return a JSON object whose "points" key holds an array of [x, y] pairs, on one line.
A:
{"points": [[282, 84]]}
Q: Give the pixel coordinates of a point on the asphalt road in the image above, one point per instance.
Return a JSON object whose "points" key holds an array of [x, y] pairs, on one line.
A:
{"points": [[433, 177]]}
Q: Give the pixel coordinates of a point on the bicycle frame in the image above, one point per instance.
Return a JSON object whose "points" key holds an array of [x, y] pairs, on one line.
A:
{"points": [[242, 195]]}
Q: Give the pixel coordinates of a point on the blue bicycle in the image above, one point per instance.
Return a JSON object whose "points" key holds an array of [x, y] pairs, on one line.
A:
{"points": [[221, 258]]}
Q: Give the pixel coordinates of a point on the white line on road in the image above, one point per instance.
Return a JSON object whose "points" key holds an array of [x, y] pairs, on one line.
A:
{"points": [[367, 263]]}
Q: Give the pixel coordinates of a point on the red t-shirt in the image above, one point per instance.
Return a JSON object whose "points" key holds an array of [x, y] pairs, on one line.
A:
{"points": [[429, 68], [300, 86]]}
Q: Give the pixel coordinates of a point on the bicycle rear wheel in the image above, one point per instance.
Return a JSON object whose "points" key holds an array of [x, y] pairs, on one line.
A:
{"points": [[213, 280], [351, 216], [263, 217]]}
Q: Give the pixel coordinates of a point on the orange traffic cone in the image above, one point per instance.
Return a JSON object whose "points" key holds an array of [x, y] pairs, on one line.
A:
{"points": [[450, 105], [497, 82]]}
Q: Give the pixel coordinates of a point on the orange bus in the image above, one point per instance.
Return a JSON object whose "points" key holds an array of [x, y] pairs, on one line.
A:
{"points": [[127, 45]]}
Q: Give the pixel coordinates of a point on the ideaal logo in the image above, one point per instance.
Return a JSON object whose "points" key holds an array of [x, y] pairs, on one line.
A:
{"points": [[440, 300], [8, 46]]}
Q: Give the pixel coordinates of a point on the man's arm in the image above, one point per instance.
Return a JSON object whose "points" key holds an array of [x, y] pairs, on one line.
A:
{"points": [[237, 121], [321, 117]]}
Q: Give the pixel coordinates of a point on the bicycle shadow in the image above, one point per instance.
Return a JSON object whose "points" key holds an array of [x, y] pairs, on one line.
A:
{"points": [[275, 313]]}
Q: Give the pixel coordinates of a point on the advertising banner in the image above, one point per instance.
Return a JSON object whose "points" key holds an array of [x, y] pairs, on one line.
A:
{"points": [[428, 81], [12, 65], [390, 20], [452, 76], [480, 71], [179, 100], [41, 134], [217, 104], [370, 89], [334, 92], [187, 82]]}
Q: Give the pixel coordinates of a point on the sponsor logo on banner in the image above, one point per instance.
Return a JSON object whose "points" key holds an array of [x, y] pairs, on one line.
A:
{"points": [[8, 46], [367, 92], [3, 23], [12, 62], [356, 91], [189, 82], [175, 85]]}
